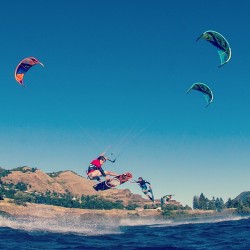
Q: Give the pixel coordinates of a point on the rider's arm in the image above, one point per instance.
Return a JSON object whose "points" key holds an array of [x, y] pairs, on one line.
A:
{"points": [[111, 173], [102, 172]]}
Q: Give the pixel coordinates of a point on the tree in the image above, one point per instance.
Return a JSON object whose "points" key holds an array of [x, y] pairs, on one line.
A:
{"points": [[222, 204], [219, 204], [211, 204], [196, 204], [21, 186], [229, 203], [131, 206], [203, 202]]}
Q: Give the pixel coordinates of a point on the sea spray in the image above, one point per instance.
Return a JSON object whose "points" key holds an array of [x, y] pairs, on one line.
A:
{"points": [[81, 232], [75, 224]]}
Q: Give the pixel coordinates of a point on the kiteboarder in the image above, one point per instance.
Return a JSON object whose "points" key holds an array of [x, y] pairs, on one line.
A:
{"points": [[95, 170], [145, 189], [166, 198]]}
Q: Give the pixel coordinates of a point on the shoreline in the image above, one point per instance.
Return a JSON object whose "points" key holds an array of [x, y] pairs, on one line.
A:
{"points": [[9, 208]]}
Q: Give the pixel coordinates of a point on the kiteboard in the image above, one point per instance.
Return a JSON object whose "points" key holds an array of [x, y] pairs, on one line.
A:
{"points": [[152, 194], [113, 182]]}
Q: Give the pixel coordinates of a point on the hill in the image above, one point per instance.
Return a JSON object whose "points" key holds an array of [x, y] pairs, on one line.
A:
{"points": [[4, 172], [243, 197], [63, 182]]}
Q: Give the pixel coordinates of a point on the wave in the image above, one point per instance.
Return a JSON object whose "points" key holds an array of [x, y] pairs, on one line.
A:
{"points": [[202, 221], [76, 224], [169, 222], [66, 225]]}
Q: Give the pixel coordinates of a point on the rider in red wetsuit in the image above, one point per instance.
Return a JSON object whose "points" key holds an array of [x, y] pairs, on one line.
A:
{"points": [[95, 170]]}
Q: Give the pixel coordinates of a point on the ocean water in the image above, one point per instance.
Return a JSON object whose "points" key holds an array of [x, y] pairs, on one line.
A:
{"points": [[98, 233]]}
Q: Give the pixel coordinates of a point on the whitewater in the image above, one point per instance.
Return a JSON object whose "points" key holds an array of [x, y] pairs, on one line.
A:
{"points": [[76, 232]]}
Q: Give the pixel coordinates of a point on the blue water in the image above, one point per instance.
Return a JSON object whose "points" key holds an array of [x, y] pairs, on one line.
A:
{"points": [[79, 233]]}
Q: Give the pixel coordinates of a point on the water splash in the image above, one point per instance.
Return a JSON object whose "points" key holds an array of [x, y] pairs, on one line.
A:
{"points": [[70, 224], [168, 223], [95, 225]]}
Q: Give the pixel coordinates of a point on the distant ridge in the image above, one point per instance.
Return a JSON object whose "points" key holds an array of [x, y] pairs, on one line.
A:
{"points": [[243, 197], [66, 182], [2, 169]]}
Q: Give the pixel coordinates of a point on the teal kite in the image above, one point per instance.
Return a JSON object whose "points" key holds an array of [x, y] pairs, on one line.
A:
{"points": [[204, 89], [220, 43]]}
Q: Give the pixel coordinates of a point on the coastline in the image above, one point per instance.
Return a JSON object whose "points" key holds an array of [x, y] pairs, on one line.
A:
{"points": [[50, 211], [42, 211]]}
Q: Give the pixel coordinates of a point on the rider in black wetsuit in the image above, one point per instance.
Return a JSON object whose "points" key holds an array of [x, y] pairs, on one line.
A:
{"points": [[143, 184]]}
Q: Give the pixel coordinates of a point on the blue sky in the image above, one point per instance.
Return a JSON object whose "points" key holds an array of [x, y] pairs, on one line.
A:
{"points": [[116, 75]]}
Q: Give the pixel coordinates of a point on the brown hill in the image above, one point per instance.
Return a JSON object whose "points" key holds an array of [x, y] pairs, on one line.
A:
{"points": [[67, 181]]}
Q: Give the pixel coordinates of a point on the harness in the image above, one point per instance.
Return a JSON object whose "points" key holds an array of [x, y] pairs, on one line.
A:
{"points": [[92, 168]]}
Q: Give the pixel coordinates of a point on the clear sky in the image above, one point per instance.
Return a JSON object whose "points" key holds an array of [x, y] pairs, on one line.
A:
{"points": [[115, 77]]}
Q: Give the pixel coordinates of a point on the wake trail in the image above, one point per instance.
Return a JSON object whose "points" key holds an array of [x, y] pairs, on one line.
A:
{"points": [[97, 225], [174, 222], [67, 225]]}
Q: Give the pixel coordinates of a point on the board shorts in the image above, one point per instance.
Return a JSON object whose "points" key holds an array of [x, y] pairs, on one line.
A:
{"points": [[91, 168], [144, 189]]}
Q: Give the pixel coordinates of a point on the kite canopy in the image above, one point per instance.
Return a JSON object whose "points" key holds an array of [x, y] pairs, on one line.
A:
{"points": [[23, 67], [220, 43], [204, 89]]}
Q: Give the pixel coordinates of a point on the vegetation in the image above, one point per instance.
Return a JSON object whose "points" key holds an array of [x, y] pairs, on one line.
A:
{"points": [[19, 193], [56, 174], [67, 200], [25, 169], [203, 203], [148, 206], [173, 211], [4, 172], [241, 203], [4, 214], [132, 206]]}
